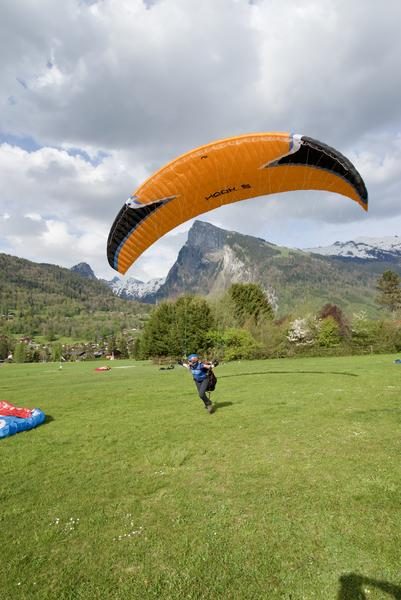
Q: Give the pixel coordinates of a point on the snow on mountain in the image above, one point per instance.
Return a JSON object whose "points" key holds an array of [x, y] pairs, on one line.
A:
{"points": [[384, 248], [128, 288], [134, 289]]}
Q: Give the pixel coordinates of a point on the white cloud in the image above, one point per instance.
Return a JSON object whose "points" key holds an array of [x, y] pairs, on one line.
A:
{"points": [[112, 90], [33, 216]]}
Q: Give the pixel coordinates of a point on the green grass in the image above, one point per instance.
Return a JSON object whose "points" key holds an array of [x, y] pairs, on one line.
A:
{"points": [[291, 490]]}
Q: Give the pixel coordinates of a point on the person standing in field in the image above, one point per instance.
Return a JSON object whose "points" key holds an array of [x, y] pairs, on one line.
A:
{"points": [[200, 372]]}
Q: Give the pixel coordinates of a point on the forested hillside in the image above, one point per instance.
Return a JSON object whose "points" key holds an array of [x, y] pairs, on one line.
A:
{"points": [[51, 313], [47, 300]]}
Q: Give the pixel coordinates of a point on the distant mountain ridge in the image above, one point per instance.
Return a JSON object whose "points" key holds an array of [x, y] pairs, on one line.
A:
{"points": [[213, 258], [132, 288], [387, 248], [128, 288], [41, 299]]}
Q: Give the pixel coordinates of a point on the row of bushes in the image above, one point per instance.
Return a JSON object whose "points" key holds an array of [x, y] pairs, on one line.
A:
{"points": [[238, 326], [219, 329]]}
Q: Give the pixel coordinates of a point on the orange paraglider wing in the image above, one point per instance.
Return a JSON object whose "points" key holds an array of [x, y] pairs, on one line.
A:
{"points": [[226, 171]]}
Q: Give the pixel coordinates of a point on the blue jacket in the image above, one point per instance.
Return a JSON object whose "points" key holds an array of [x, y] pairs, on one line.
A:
{"points": [[199, 371]]}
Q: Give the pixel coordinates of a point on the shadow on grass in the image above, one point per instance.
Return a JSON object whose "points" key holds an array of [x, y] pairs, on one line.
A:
{"points": [[375, 411], [353, 587], [48, 419], [218, 405], [290, 373]]}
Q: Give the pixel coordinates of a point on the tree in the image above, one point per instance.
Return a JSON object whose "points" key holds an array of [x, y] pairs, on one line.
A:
{"points": [[364, 331], [57, 351], [157, 338], [239, 344], [122, 346], [177, 328], [329, 334], [302, 331], [193, 319], [112, 345], [20, 353], [4, 346], [388, 286], [249, 301], [273, 337], [334, 311]]}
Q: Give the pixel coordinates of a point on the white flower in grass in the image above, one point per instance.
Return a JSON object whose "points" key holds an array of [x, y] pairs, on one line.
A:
{"points": [[132, 533]]}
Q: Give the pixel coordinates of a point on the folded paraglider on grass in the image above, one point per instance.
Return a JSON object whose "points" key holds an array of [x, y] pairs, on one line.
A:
{"points": [[14, 419]]}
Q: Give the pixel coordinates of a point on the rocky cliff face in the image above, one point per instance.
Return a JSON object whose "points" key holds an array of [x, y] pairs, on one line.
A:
{"points": [[212, 259], [293, 280], [84, 270]]}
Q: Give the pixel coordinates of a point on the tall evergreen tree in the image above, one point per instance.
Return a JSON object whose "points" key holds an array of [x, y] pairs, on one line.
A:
{"points": [[192, 322], [249, 302], [157, 338], [389, 291]]}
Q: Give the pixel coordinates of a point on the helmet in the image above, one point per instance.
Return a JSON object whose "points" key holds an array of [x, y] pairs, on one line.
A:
{"points": [[192, 356]]}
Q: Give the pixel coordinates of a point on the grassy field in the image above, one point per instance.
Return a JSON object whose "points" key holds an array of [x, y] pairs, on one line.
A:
{"points": [[131, 490]]}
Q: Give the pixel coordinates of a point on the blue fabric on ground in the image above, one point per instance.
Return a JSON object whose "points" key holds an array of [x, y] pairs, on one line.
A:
{"points": [[12, 425]]}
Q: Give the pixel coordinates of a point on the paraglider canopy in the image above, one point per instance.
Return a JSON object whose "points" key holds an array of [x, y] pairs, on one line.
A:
{"points": [[223, 172]]}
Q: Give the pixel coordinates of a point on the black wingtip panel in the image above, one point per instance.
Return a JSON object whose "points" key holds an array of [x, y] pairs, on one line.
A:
{"points": [[124, 224], [319, 155]]}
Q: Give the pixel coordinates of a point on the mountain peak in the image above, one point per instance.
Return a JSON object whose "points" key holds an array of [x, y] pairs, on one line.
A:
{"points": [[132, 288], [209, 237], [84, 270], [206, 236]]}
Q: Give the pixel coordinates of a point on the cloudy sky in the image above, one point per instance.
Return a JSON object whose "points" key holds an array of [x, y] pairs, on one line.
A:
{"points": [[96, 95]]}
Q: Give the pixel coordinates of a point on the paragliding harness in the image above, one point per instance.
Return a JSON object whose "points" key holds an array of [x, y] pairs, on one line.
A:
{"points": [[211, 381], [211, 378]]}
